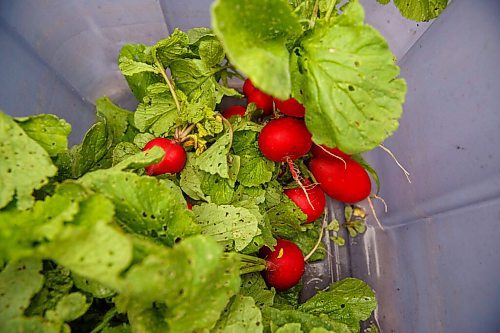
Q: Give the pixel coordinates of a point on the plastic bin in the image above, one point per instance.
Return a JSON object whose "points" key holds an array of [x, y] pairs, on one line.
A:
{"points": [[435, 266]]}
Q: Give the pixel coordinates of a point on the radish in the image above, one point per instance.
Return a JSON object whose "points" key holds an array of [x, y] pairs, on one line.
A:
{"points": [[344, 181], [313, 206], [189, 205], [284, 265], [284, 139], [261, 99], [324, 151], [290, 107], [235, 110], [173, 161]]}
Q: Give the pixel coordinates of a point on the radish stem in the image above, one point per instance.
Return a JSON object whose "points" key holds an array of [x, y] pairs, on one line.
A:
{"points": [[164, 74]]}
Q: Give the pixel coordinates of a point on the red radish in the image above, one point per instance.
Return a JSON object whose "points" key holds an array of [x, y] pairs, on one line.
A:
{"points": [[313, 207], [290, 107], [284, 139], [248, 87], [235, 110], [173, 161], [261, 99], [189, 205], [347, 182], [284, 265], [323, 151]]}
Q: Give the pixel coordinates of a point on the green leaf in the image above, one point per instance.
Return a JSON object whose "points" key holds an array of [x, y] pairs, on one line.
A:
{"points": [[219, 190], [253, 285], [184, 277], [286, 218], [383, 2], [118, 121], [140, 159], [19, 282], [191, 178], [195, 34], [57, 284], [211, 51], [214, 159], [157, 113], [255, 168], [96, 289], [171, 48], [141, 139], [255, 35], [421, 10], [290, 328], [351, 92], [89, 155], [198, 82], [124, 150], [138, 82], [230, 226], [21, 155], [241, 315], [348, 301], [265, 237], [307, 321], [307, 239], [130, 67], [92, 246], [147, 319], [69, 307], [23, 231], [144, 205], [48, 131]]}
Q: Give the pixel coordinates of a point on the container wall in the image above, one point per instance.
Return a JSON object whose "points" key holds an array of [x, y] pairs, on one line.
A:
{"points": [[60, 56], [435, 268]]}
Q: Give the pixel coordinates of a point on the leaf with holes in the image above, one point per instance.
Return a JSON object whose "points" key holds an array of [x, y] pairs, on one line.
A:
{"points": [[348, 301], [421, 10], [349, 79], [233, 227], [21, 155], [157, 113], [214, 159], [22, 232], [277, 318], [254, 285], [241, 315], [286, 218], [194, 278], [48, 131], [19, 281], [144, 205]]}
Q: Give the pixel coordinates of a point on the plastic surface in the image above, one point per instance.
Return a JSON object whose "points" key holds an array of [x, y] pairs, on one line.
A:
{"points": [[434, 266]]}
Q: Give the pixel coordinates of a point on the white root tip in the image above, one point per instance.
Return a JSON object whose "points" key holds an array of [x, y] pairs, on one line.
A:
{"points": [[382, 200], [375, 214], [389, 152]]}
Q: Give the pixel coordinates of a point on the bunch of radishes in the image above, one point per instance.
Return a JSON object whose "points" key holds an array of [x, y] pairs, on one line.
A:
{"points": [[284, 139]]}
